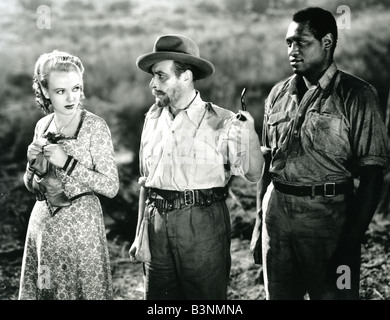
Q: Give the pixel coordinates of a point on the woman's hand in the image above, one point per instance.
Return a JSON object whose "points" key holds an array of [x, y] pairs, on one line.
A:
{"points": [[55, 154], [35, 148]]}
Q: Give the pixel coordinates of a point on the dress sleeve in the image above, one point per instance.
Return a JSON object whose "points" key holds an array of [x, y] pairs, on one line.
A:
{"points": [[28, 175], [28, 179], [103, 177]]}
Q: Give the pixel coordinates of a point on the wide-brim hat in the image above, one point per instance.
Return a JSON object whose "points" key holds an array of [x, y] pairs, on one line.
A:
{"points": [[177, 48]]}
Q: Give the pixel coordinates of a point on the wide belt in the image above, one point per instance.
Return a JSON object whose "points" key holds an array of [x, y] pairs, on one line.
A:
{"points": [[170, 199], [329, 189], [55, 211]]}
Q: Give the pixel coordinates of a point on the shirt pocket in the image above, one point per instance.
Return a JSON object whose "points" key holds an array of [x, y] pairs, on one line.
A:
{"points": [[330, 134], [278, 124]]}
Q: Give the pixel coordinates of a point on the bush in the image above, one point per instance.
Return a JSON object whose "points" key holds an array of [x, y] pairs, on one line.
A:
{"points": [[208, 7], [123, 6], [246, 52]]}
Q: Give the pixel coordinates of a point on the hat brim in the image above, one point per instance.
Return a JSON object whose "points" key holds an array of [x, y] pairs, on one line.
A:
{"points": [[204, 68]]}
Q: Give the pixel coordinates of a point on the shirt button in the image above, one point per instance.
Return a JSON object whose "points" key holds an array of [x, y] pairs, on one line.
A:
{"points": [[295, 132]]}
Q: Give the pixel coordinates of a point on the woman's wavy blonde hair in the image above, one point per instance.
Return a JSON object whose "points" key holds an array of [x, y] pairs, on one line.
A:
{"points": [[53, 61]]}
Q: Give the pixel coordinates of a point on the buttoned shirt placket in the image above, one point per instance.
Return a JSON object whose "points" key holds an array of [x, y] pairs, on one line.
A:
{"points": [[293, 142]]}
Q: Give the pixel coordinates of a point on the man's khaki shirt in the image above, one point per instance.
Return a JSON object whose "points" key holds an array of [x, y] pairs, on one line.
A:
{"points": [[336, 128], [200, 148]]}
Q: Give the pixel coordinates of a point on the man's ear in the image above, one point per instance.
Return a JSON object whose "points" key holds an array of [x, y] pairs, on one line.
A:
{"points": [[328, 41], [187, 75]]}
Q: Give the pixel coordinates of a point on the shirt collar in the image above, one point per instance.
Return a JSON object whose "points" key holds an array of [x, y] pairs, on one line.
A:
{"points": [[327, 76], [323, 82], [195, 111]]}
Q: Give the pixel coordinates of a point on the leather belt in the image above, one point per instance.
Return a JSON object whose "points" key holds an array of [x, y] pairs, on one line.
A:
{"points": [[329, 189], [55, 211], [171, 199]]}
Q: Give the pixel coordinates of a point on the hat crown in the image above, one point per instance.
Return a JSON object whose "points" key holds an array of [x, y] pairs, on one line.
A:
{"points": [[177, 48], [175, 43]]}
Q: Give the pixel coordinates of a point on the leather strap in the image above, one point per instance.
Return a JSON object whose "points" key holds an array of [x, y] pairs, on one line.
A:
{"points": [[170, 200], [327, 189], [89, 193]]}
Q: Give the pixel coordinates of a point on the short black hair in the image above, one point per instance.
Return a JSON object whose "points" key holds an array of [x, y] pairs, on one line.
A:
{"points": [[320, 22]]}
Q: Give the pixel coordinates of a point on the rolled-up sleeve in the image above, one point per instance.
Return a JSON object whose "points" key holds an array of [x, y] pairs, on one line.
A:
{"points": [[237, 140], [369, 137]]}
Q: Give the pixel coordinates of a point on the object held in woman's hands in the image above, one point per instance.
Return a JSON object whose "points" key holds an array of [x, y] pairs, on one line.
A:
{"points": [[53, 137], [46, 184]]}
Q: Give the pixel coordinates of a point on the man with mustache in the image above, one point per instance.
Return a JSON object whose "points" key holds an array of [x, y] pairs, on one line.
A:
{"points": [[322, 129], [189, 151]]}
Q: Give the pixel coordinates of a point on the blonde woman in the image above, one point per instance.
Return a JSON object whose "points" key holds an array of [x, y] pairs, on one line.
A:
{"points": [[66, 254]]}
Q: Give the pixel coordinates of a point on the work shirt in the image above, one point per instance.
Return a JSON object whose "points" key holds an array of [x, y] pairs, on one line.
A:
{"points": [[336, 128], [200, 148]]}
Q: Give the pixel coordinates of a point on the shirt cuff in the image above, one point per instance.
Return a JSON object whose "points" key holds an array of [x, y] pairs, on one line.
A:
{"points": [[69, 166], [29, 169]]}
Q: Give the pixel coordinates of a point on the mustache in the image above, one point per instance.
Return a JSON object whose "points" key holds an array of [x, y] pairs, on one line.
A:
{"points": [[157, 92]]}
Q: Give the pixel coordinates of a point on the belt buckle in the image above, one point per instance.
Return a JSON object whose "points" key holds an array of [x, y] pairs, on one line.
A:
{"points": [[333, 189], [187, 197]]}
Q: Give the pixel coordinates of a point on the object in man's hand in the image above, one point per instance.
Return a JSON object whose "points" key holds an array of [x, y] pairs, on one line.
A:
{"points": [[240, 116]]}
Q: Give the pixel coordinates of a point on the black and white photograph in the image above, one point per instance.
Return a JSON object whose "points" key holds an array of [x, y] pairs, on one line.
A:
{"points": [[215, 151]]}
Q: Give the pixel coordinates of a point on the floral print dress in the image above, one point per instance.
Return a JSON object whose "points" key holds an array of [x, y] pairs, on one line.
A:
{"points": [[66, 255]]}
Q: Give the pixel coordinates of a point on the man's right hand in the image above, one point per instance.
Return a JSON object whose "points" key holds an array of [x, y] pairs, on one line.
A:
{"points": [[132, 251], [262, 185]]}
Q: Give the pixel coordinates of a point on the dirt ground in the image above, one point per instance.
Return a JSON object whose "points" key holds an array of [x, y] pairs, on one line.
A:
{"points": [[246, 281], [244, 285]]}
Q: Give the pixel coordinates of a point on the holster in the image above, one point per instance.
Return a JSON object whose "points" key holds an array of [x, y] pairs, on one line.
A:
{"points": [[46, 184], [39, 165]]}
